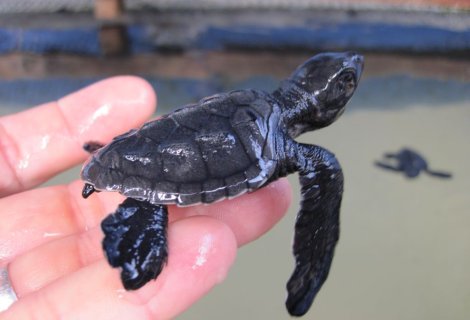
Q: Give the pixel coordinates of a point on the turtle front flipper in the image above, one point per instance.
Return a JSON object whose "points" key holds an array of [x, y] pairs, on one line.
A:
{"points": [[317, 225], [136, 241], [387, 166]]}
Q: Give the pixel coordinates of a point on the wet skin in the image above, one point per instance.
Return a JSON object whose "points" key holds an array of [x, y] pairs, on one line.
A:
{"points": [[411, 163], [221, 147]]}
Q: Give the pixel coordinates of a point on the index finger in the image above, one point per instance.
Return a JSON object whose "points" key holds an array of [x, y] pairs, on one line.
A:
{"points": [[38, 143]]}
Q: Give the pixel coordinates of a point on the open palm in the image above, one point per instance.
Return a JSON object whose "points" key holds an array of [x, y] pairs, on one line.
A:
{"points": [[50, 238]]}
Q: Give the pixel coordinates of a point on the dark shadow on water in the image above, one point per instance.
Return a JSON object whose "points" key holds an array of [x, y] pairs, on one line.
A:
{"points": [[387, 92]]}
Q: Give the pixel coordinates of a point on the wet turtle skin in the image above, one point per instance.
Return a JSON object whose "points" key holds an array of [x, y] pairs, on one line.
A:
{"points": [[221, 147], [411, 163]]}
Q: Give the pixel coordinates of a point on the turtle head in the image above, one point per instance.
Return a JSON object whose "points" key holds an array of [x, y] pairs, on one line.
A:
{"points": [[322, 86]]}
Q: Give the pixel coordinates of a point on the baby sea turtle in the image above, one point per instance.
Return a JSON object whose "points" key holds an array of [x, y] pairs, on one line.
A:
{"points": [[221, 147], [411, 163]]}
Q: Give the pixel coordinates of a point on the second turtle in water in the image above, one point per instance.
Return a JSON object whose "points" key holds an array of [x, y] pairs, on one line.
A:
{"points": [[411, 163], [221, 147]]}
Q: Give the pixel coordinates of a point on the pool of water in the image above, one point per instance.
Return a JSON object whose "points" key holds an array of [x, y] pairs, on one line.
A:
{"points": [[403, 252]]}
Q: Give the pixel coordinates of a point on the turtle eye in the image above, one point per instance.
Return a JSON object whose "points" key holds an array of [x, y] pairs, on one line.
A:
{"points": [[339, 91], [345, 85]]}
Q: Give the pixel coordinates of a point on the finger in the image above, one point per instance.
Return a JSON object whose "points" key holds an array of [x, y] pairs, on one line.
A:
{"points": [[52, 260], [262, 208], [201, 253], [32, 218], [38, 143]]}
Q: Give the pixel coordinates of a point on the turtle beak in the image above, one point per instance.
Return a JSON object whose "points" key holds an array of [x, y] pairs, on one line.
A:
{"points": [[356, 62]]}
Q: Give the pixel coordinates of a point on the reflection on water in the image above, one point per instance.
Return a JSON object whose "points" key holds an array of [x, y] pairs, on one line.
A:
{"points": [[403, 252]]}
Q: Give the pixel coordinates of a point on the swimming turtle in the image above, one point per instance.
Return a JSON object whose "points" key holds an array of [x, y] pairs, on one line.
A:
{"points": [[411, 163], [221, 147]]}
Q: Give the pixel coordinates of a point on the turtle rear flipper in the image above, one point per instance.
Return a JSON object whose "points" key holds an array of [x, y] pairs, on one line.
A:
{"points": [[317, 226], [92, 146], [135, 241]]}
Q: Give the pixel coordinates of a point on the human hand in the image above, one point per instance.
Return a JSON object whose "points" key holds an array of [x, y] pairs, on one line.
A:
{"points": [[50, 238]]}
